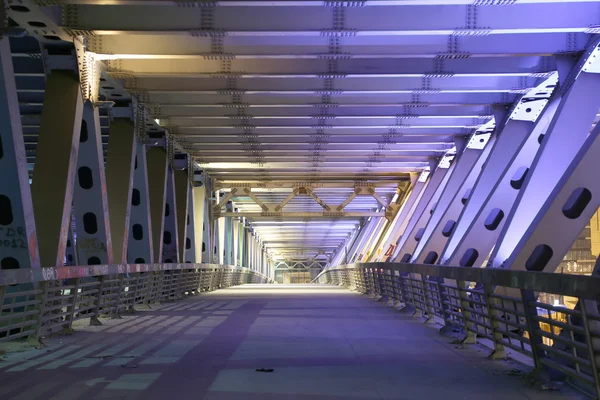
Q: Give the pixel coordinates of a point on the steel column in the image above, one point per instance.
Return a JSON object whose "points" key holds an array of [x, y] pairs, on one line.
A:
{"points": [[408, 241], [406, 211], [451, 203], [563, 144], [170, 247], [200, 222], [140, 244], [120, 164], [157, 189], [18, 240], [93, 245], [236, 241], [190, 252], [566, 211], [508, 141], [435, 180], [228, 236], [472, 241], [55, 164], [220, 239], [182, 187]]}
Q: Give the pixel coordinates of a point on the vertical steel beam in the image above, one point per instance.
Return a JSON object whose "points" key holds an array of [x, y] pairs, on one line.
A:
{"points": [[55, 164], [564, 213], [210, 233], [120, 163], [17, 223], [364, 235], [403, 215], [94, 245], [508, 141], [140, 245], [448, 209], [71, 258], [170, 250], [200, 221], [472, 241], [182, 187], [157, 189], [190, 252], [236, 241], [408, 242], [228, 236], [220, 239], [564, 142], [433, 180]]}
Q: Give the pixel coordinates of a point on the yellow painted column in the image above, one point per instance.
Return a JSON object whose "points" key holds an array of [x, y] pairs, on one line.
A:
{"points": [[55, 164], [156, 158], [120, 159], [182, 187]]}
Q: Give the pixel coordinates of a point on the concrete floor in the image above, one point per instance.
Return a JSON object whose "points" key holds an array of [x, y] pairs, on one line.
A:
{"points": [[323, 342]]}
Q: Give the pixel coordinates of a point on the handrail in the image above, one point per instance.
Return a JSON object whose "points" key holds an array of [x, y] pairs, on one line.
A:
{"points": [[33, 275], [497, 305], [563, 284], [40, 301]]}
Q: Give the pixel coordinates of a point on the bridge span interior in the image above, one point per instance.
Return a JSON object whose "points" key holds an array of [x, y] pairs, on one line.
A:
{"points": [[437, 156]]}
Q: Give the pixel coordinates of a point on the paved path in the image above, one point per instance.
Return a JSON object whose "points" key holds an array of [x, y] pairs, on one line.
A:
{"points": [[322, 342]]}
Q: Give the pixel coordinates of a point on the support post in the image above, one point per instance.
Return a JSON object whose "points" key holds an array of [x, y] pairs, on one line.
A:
{"points": [[480, 224], [120, 160], [200, 221], [406, 244], [140, 245], [55, 164], [157, 188], [182, 187], [190, 252], [561, 183], [455, 195], [17, 222], [170, 246], [94, 245]]}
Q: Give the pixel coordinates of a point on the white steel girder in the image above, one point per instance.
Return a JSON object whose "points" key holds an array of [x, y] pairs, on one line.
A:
{"points": [[93, 243], [157, 164], [140, 244], [404, 215], [563, 158], [191, 250], [564, 213], [408, 241], [464, 174], [17, 224], [484, 231]]}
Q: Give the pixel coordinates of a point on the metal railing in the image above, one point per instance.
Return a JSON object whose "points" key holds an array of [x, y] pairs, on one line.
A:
{"points": [[41, 301], [498, 305]]}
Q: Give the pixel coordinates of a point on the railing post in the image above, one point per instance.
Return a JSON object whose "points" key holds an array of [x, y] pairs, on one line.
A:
{"points": [[469, 326], [427, 300], [499, 351], [116, 314], [589, 307], [72, 307], [94, 320], [535, 340], [42, 297]]}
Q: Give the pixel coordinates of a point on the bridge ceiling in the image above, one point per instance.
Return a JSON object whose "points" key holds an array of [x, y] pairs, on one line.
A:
{"points": [[307, 91]]}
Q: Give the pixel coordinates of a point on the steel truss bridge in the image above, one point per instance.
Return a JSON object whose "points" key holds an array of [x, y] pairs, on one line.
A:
{"points": [[183, 146]]}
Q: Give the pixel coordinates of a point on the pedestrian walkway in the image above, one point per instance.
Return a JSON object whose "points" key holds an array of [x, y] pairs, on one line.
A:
{"points": [[264, 342]]}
